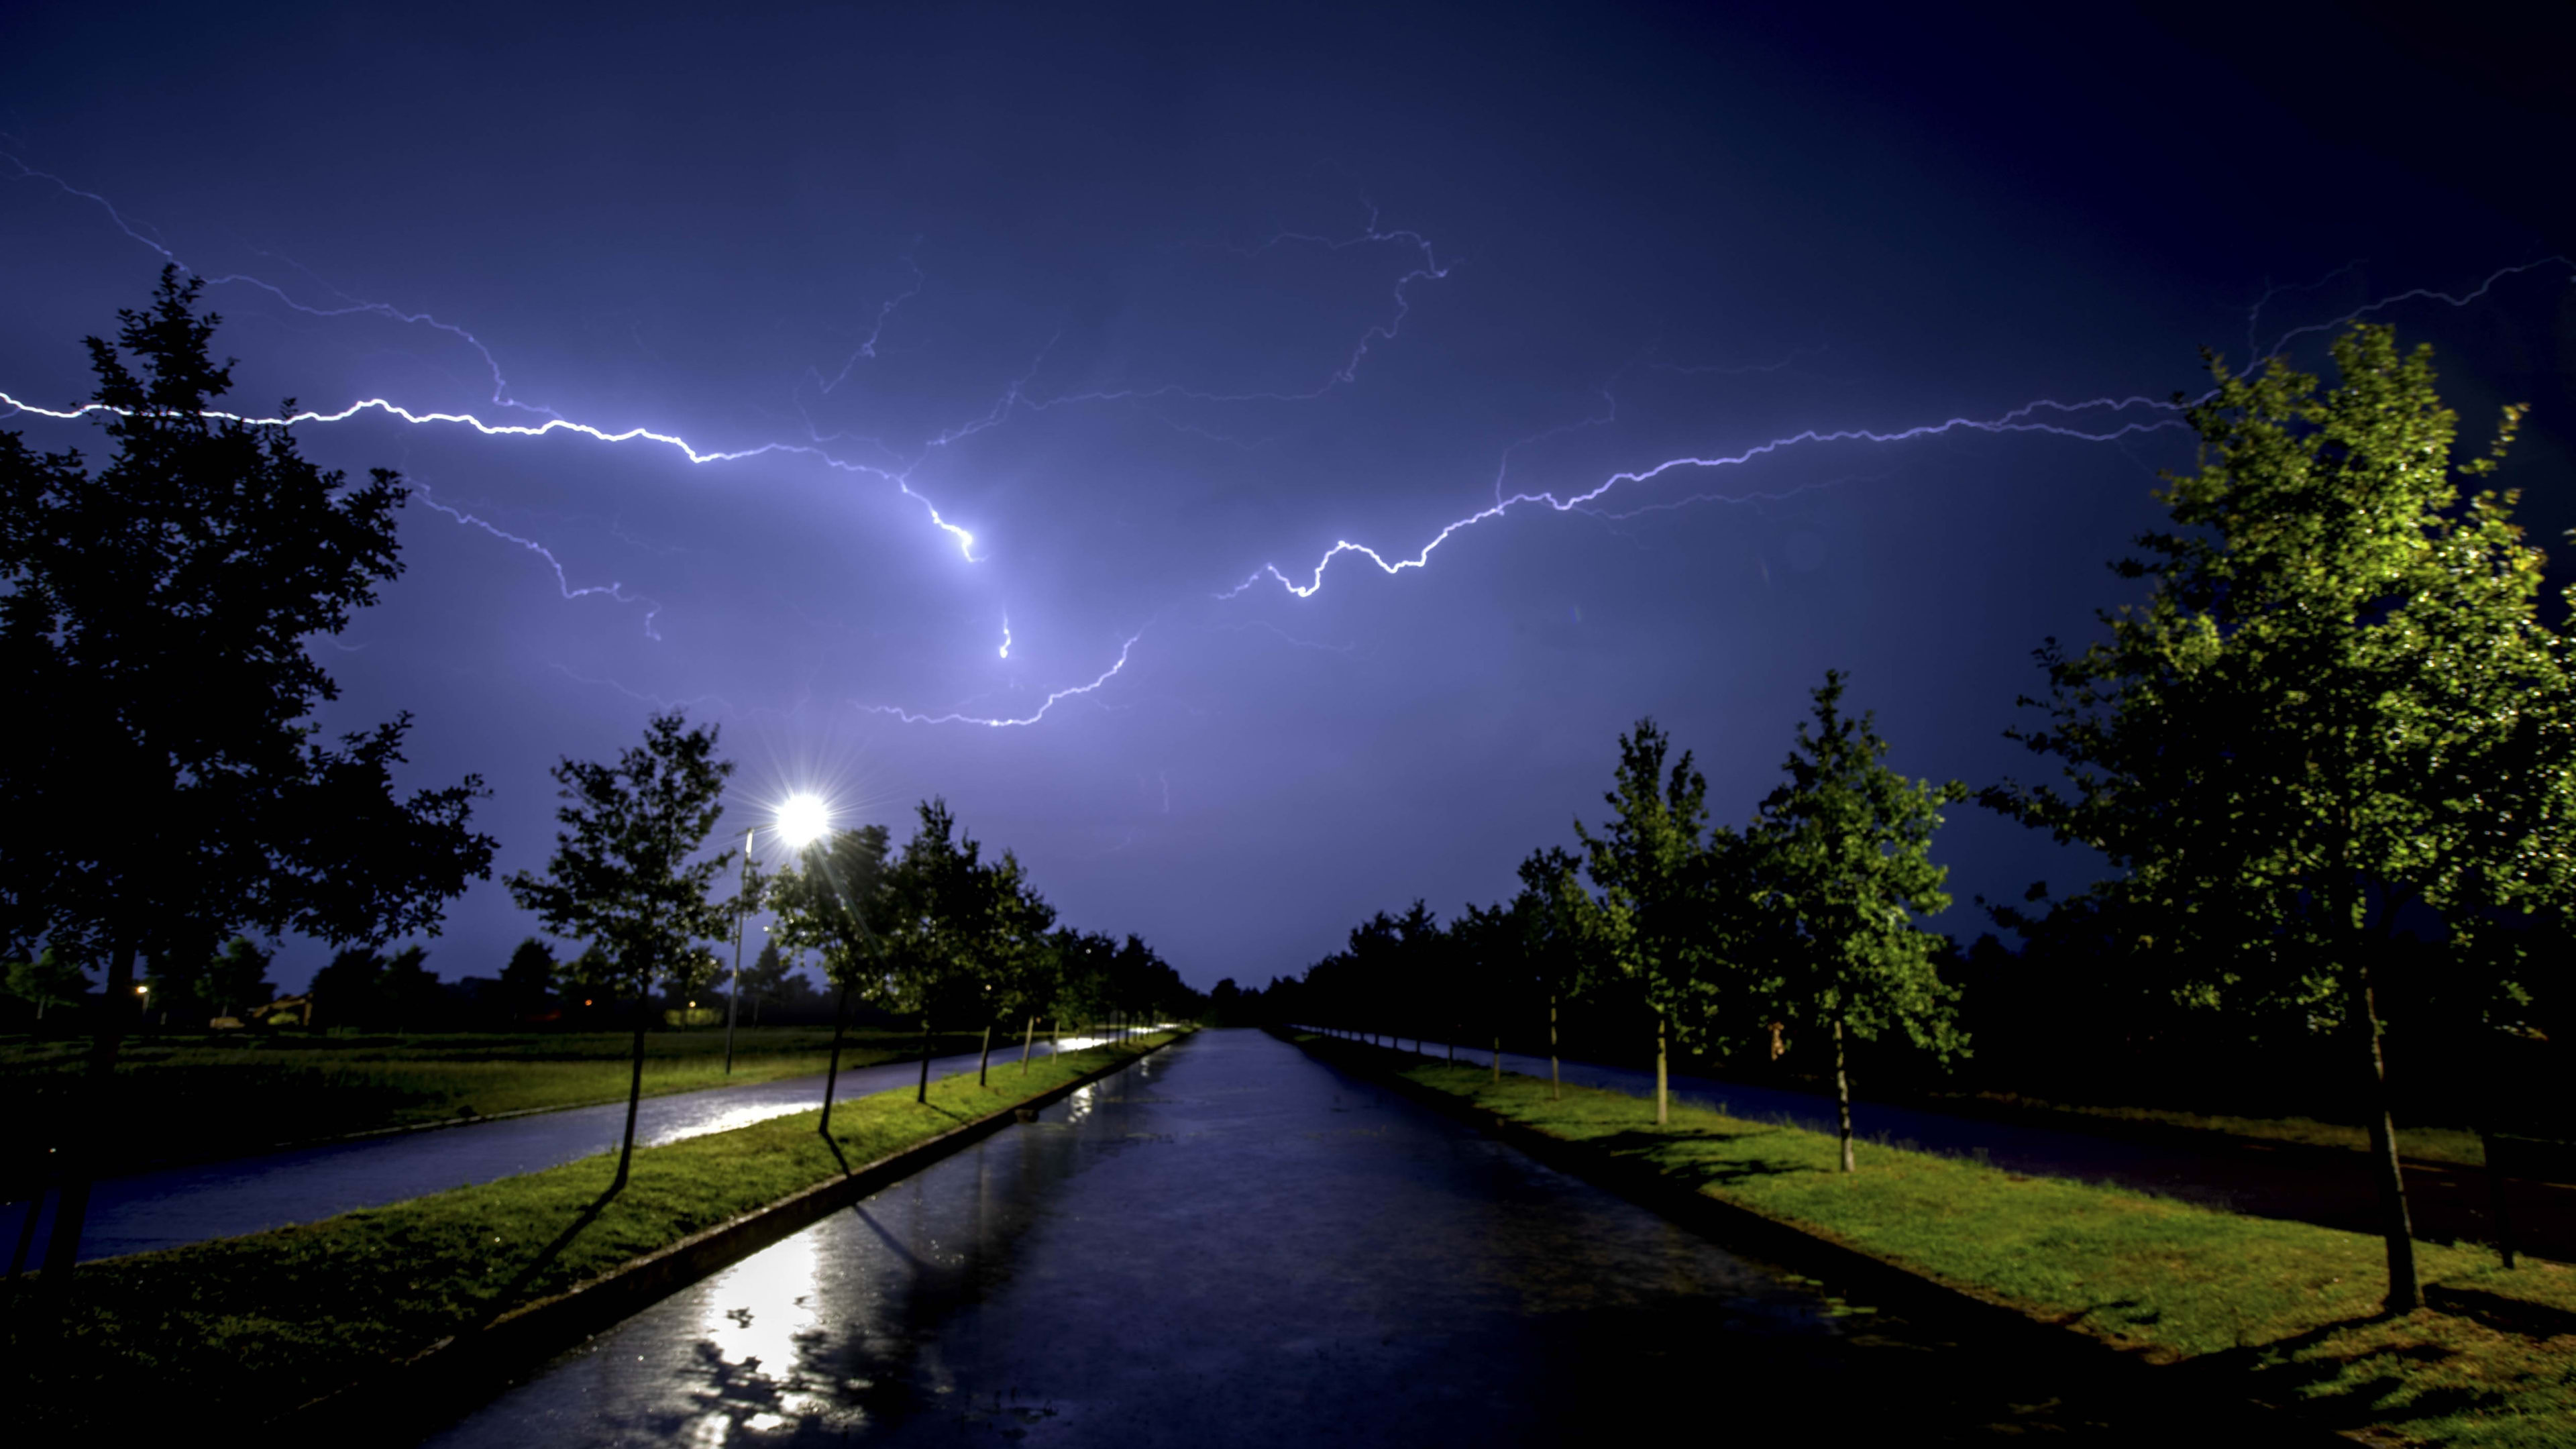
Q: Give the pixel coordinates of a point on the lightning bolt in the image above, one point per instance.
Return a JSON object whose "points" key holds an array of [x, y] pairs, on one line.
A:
{"points": [[909, 717], [2044, 416], [612, 589]]}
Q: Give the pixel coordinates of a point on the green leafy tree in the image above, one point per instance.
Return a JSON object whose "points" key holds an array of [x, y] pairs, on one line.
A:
{"points": [[1839, 864], [48, 981], [1648, 927], [1548, 914], [937, 918], [832, 901], [2336, 702], [162, 607], [1010, 953], [622, 878]]}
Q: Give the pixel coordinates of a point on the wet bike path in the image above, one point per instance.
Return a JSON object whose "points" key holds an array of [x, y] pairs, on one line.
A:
{"points": [[1233, 1243], [2301, 1184], [172, 1207]]}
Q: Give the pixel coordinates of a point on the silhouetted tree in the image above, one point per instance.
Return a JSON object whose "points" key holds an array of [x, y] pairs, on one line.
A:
{"points": [[528, 978], [621, 877], [237, 979], [162, 608]]}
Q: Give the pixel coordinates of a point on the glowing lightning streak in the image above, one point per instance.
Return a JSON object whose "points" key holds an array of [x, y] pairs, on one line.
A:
{"points": [[613, 590], [2016, 421], [1006, 636], [908, 717], [356, 306], [965, 539]]}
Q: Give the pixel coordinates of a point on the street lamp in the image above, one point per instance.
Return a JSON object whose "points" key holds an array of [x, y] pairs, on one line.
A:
{"points": [[802, 819]]}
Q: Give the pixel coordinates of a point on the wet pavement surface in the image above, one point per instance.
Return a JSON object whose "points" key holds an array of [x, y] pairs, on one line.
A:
{"points": [[1231, 1243], [2236, 1175], [180, 1205]]}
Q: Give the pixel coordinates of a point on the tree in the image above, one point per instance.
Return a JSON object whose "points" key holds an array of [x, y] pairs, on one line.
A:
{"points": [[350, 989], [765, 980], [1648, 925], [528, 978], [409, 991], [1840, 863], [1548, 916], [831, 900], [935, 915], [621, 877], [237, 980], [2336, 703], [162, 608], [48, 980]]}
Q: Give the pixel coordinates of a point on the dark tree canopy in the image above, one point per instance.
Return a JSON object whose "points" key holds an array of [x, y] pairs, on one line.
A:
{"points": [[162, 607]]}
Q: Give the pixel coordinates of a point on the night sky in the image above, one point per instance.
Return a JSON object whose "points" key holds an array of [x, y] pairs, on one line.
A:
{"points": [[1150, 301]]}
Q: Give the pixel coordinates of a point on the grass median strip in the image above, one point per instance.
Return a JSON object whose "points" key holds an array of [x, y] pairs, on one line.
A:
{"points": [[218, 1099], [2290, 1310], [241, 1329]]}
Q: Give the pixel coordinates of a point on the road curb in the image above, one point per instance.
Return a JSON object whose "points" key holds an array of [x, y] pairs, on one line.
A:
{"points": [[1850, 1271], [409, 1397]]}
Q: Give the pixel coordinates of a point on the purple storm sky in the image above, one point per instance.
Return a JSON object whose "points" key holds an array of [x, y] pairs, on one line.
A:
{"points": [[1155, 301]]}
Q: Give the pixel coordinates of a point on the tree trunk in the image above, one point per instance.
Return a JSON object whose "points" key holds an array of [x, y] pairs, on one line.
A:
{"points": [[1663, 1103], [2495, 1197], [922, 1093], [2394, 1223], [71, 1202], [1842, 1096], [634, 1093], [832, 1075], [1498, 1059], [984, 1066], [1028, 1044], [1555, 1084]]}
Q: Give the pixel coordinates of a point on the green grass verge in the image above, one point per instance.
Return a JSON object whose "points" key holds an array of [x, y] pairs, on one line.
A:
{"points": [[2289, 1310], [225, 1097], [2459, 1146], [242, 1329]]}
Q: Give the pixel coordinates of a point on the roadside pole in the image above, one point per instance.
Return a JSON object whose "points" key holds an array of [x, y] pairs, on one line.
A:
{"points": [[741, 913]]}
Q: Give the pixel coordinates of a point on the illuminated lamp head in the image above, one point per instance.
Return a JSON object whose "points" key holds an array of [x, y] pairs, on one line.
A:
{"points": [[804, 819]]}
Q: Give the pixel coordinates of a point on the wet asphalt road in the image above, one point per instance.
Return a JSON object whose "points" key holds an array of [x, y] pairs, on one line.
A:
{"points": [[181, 1205], [1231, 1243]]}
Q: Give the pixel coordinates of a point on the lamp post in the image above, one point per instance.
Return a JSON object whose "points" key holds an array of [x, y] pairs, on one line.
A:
{"points": [[742, 912]]}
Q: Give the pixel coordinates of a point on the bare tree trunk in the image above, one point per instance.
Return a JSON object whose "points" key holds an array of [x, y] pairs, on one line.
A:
{"points": [[984, 1066], [634, 1089], [1028, 1044], [1842, 1096], [832, 1075], [71, 1203], [922, 1094], [1663, 1102], [1498, 1059], [1555, 1083], [2495, 1197], [2395, 1224]]}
